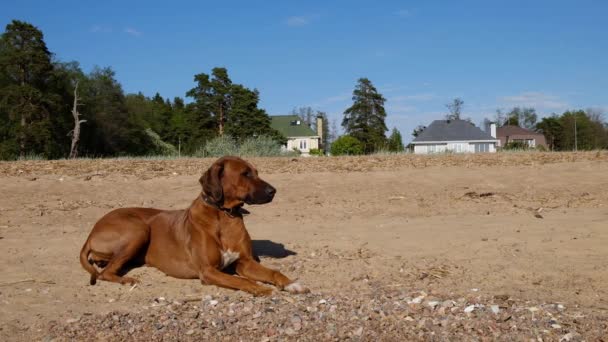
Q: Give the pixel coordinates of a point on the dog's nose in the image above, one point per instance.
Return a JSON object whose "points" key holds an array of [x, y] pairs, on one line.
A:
{"points": [[270, 191]]}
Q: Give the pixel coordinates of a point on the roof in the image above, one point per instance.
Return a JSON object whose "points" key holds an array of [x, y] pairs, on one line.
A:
{"points": [[286, 124], [451, 130], [512, 130]]}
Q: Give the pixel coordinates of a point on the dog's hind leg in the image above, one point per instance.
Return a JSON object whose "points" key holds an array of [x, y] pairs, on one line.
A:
{"points": [[126, 253]]}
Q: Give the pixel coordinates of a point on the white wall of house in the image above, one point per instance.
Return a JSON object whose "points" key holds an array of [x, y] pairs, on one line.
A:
{"points": [[304, 144], [455, 147]]}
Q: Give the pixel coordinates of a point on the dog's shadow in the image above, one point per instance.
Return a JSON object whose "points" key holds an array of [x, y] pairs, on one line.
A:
{"points": [[267, 248], [264, 248], [261, 248]]}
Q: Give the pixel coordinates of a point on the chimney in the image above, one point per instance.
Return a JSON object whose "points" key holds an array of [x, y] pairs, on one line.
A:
{"points": [[493, 130], [320, 131]]}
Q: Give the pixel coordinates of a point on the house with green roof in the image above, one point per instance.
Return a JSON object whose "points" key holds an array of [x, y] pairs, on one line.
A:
{"points": [[299, 135]]}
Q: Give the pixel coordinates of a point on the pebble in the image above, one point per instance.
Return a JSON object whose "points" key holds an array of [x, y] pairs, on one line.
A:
{"points": [[296, 321], [447, 303], [213, 302], [418, 300], [469, 308], [432, 304], [376, 315]]}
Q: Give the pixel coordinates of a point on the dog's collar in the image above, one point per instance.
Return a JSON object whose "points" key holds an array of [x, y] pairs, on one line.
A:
{"points": [[232, 212]]}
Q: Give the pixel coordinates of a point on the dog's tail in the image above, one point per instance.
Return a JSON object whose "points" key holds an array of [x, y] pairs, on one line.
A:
{"points": [[86, 264]]}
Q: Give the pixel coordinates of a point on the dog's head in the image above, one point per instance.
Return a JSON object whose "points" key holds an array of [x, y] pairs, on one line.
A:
{"points": [[231, 181]]}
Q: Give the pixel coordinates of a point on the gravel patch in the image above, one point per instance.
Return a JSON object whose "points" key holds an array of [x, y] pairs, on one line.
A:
{"points": [[383, 315]]}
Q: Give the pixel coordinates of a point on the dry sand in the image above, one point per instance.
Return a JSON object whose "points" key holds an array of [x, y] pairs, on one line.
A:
{"points": [[533, 227]]}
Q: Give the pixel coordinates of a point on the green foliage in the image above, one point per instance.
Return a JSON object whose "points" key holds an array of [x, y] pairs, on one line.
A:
{"points": [[25, 100], [347, 145], [522, 117], [418, 130], [516, 145], [552, 129], [159, 146], [222, 107], [364, 120], [218, 147], [315, 152], [261, 146], [37, 95], [395, 143]]}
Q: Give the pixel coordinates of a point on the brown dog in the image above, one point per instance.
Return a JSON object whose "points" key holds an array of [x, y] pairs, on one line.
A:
{"points": [[194, 243]]}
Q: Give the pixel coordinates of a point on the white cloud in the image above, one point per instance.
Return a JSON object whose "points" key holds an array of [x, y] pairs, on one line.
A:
{"points": [[296, 21], [132, 31], [536, 100]]}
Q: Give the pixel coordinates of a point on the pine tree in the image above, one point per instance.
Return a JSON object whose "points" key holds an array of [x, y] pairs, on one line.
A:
{"points": [[395, 143], [26, 67], [245, 119], [364, 120]]}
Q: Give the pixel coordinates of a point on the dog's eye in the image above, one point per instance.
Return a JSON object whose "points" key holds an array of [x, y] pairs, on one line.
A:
{"points": [[248, 174]]}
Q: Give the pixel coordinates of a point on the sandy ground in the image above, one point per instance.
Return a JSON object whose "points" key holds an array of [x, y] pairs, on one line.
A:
{"points": [[453, 227]]}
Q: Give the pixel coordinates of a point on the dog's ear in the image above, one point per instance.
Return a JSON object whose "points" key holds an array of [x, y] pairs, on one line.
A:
{"points": [[211, 181]]}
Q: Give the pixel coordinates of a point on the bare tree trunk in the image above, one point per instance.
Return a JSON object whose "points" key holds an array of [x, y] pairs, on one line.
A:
{"points": [[77, 122]]}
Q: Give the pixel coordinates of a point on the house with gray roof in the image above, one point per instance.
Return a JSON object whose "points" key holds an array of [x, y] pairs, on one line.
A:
{"points": [[457, 136]]}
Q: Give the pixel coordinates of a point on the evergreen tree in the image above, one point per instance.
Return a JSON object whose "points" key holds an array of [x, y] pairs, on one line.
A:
{"points": [[199, 113], [26, 66], [245, 119], [364, 120], [395, 143], [111, 130]]}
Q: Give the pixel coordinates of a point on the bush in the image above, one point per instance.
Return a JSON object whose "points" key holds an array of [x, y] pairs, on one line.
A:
{"points": [[218, 147], [261, 146], [516, 145], [346, 145], [315, 152], [159, 146]]}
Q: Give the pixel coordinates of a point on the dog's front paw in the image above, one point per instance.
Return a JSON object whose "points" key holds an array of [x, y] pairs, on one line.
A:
{"points": [[296, 287]]}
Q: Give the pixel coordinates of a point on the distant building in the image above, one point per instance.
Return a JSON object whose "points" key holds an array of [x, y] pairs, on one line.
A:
{"points": [[299, 135], [511, 133], [457, 136]]}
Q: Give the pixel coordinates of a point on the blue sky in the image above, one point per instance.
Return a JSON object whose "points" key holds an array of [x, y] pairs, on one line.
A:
{"points": [[552, 55]]}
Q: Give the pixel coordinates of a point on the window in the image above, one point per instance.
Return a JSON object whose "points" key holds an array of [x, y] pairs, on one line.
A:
{"points": [[302, 144], [482, 147], [432, 148], [458, 148]]}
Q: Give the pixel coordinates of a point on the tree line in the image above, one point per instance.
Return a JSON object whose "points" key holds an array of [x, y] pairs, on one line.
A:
{"points": [[571, 130], [48, 106], [53, 109]]}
